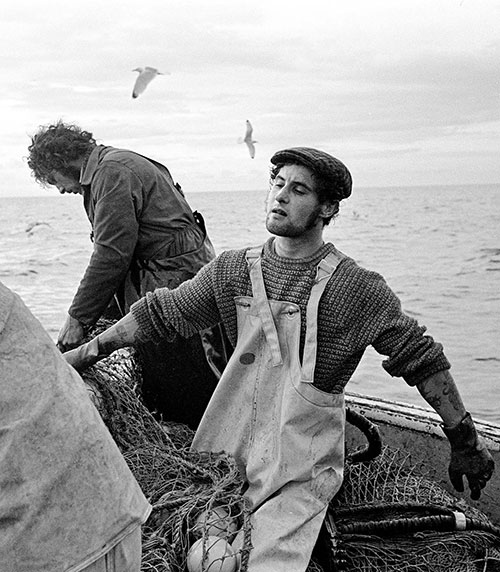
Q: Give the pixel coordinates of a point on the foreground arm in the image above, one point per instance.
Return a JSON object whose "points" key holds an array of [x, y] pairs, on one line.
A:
{"points": [[469, 456], [120, 335], [162, 314]]}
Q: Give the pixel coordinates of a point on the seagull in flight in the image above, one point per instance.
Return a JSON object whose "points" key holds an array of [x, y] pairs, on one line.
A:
{"points": [[146, 75], [248, 140]]}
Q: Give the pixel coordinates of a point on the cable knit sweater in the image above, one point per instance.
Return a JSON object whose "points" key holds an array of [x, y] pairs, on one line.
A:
{"points": [[357, 309]]}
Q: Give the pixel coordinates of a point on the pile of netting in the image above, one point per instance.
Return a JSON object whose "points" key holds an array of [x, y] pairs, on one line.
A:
{"points": [[388, 517], [199, 512]]}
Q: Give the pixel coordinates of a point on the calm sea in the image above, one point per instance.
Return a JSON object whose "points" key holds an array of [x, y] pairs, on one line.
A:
{"points": [[438, 248]]}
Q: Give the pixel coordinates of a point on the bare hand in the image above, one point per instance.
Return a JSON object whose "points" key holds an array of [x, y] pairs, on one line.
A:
{"points": [[71, 334]]}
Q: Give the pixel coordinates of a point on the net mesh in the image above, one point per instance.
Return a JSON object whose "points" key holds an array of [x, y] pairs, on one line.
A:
{"points": [[387, 517], [194, 496]]}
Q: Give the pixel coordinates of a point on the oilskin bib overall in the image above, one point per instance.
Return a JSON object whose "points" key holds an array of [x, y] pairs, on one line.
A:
{"points": [[286, 435]]}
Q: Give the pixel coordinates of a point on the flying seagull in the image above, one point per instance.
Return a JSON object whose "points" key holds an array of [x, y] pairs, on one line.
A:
{"points": [[248, 140], [146, 75]]}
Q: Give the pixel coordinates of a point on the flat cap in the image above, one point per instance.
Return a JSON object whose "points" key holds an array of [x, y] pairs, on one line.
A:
{"points": [[321, 163]]}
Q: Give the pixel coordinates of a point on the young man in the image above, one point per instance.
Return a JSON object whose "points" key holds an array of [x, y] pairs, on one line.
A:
{"points": [[145, 235], [299, 314], [68, 501]]}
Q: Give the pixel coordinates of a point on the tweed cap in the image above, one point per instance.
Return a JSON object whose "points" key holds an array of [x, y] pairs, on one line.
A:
{"points": [[321, 163]]}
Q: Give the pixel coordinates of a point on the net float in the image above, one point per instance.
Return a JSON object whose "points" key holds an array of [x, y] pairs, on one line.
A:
{"points": [[212, 554]]}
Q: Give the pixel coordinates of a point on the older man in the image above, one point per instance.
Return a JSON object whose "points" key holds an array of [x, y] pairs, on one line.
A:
{"points": [[299, 314], [145, 235]]}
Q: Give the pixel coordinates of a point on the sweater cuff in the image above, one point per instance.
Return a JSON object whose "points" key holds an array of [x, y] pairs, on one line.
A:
{"points": [[415, 377], [139, 311]]}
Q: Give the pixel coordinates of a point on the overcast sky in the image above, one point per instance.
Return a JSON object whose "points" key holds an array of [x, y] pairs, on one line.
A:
{"points": [[405, 93]]}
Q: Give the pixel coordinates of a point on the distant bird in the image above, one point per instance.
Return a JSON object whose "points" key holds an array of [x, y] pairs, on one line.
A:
{"points": [[248, 140], [146, 75]]}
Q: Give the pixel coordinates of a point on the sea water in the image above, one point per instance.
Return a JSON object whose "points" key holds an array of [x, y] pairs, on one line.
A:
{"points": [[438, 247]]}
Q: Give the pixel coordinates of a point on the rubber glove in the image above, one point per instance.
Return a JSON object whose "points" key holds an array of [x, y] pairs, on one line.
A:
{"points": [[469, 457], [85, 355]]}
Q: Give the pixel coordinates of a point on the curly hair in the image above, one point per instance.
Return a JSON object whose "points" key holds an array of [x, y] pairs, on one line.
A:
{"points": [[54, 147], [322, 188]]}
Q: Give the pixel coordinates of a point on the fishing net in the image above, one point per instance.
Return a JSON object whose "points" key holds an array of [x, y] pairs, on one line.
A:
{"points": [[196, 497], [387, 517]]}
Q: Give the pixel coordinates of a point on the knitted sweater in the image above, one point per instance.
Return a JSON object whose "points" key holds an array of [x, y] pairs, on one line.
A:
{"points": [[356, 310]]}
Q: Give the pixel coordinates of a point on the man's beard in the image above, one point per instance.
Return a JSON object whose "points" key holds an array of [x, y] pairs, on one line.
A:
{"points": [[72, 172], [293, 231]]}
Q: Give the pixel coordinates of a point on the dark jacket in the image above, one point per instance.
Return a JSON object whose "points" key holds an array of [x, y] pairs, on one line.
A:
{"points": [[144, 231]]}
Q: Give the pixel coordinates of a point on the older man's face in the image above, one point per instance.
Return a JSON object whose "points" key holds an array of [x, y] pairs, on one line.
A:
{"points": [[66, 182]]}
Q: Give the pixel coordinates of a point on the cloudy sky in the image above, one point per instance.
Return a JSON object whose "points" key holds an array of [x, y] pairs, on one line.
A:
{"points": [[405, 93]]}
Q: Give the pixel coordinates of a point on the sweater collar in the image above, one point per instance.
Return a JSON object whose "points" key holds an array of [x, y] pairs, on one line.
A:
{"points": [[314, 259]]}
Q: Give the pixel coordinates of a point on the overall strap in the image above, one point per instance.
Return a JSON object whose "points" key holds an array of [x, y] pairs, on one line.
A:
{"points": [[253, 257], [324, 272]]}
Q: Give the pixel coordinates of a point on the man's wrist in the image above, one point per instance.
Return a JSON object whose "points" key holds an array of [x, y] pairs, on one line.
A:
{"points": [[451, 427], [76, 322], [463, 435], [103, 350]]}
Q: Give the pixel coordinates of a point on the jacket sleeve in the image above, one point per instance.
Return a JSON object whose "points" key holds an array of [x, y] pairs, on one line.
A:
{"points": [[115, 191]]}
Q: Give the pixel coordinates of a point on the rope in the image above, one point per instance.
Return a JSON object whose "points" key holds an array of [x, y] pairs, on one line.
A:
{"points": [[443, 523]]}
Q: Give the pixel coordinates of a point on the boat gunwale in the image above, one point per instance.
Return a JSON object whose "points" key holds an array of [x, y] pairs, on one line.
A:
{"points": [[414, 417]]}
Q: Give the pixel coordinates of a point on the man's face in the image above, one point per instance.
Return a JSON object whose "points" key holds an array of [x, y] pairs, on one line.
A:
{"points": [[292, 206], [68, 182]]}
